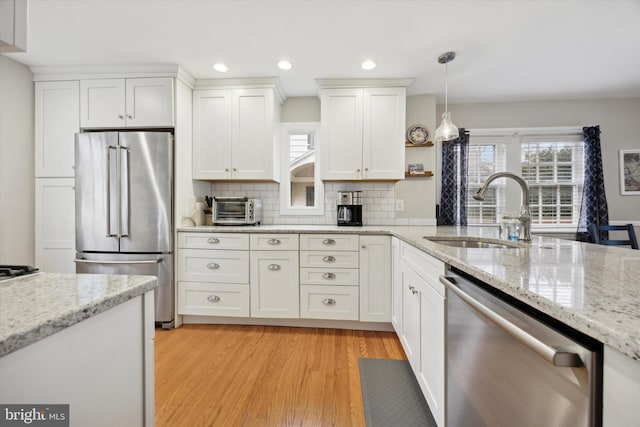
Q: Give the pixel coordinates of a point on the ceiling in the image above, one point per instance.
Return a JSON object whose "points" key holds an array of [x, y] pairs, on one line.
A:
{"points": [[506, 50]]}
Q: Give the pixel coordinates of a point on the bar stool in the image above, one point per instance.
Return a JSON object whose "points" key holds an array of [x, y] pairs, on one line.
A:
{"points": [[596, 229]]}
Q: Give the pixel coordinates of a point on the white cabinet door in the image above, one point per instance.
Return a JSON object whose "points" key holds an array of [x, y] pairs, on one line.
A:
{"points": [[253, 151], [57, 120], [102, 103], [212, 134], [149, 102], [431, 371], [410, 337], [383, 135], [375, 278], [120, 103], [396, 286], [621, 383], [275, 287], [55, 225], [234, 134], [341, 130]]}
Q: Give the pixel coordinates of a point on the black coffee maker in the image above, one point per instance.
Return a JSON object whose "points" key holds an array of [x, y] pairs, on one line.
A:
{"points": [[350, 208]]}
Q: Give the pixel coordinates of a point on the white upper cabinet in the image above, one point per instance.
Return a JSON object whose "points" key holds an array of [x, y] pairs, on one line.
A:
{"points": [[57, 120], [235, 134], [363, 133], [120, 103]]}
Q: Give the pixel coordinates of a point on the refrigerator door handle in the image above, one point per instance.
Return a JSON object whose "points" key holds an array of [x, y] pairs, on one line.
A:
{"points": [[109, 148], [124, 192], [144, 261]]}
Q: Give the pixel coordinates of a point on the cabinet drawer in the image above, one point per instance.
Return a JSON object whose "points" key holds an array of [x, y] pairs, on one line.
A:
{"points": [[427, 267], [329, 302], [329, 276], [333, 242], [329, 259], [274, 242], [233, 241], [200, 298], [200, 265]]}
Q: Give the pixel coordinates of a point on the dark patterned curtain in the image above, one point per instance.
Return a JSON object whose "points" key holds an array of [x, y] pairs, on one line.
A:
{"points": [[594, 201], [453, 201]]}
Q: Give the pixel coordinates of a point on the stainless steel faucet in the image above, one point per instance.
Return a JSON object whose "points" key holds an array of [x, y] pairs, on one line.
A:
{"points": [[525, 211]]}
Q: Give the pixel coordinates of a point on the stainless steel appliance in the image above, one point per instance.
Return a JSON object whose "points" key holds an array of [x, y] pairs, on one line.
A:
{"points": [[237, 211], [11, 271], [124, 205], [349, 208], [508, 367]]}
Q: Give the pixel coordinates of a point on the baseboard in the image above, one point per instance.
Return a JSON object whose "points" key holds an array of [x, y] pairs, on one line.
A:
{"points": [[304, 323]]}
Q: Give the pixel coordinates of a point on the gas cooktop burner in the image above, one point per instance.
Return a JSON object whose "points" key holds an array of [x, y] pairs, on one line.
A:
{"points": [[9, 271]]}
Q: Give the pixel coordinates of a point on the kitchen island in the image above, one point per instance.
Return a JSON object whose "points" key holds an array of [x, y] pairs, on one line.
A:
{"points": [[81, 340]]}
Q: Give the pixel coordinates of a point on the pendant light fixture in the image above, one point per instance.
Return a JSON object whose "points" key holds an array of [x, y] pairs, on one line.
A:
{"points": [[447, 131]]}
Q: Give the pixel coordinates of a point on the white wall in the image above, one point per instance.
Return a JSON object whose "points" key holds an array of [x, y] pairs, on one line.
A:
{"points": [[617, 118], [17, 163]]}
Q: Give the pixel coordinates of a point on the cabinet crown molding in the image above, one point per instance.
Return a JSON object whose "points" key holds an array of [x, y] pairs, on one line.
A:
{"points": [[244, 83], [356, 83], [89, 72]]}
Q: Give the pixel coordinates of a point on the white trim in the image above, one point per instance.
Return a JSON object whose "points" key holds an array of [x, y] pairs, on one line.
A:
{"points": [[564, 130], [286, 129], [103, 72], [360, 83], [244, 83]]}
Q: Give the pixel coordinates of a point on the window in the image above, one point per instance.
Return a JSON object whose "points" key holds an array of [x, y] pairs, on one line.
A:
{"points": [[549, 160], [301, 190]]}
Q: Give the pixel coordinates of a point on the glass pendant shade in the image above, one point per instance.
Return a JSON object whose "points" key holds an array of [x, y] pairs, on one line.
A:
{"points": [[447, 131]]}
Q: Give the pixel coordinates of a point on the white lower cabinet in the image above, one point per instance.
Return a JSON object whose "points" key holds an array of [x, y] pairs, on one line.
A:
{"points": [[213, 282], [55, 225], [424, 324], [375, 278], [329, 302], [275, 287], [396, 286], [621, 384]]}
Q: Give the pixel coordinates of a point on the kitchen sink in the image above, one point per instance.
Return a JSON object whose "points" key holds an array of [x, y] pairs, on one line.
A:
{"points": [[461, 242]]}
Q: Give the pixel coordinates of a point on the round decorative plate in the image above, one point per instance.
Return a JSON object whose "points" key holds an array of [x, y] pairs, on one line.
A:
{"points": [[418, 134]]}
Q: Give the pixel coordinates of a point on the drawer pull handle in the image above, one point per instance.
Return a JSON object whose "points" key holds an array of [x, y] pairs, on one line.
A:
{"points": [[213, 240], [213, 266], [328, 276], [329, 301], [273, 241], [413, 290], [329, 258], [213, 298], [273, 267], [328, 242]]}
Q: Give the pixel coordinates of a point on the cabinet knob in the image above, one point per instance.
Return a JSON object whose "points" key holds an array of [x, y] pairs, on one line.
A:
{"points": [[358, 170], [213, 240], [329, 258], [129, 116], [121, 116], [364, 246], [213, 266], [328, 242], [273, 267], [329, 301], [235, 170], [328, 276], [213, 298], [413, 290], [273, 242], [226, 169]]}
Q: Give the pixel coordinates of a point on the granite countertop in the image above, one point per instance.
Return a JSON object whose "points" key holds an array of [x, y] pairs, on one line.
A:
{"points": [[594, 289], [38, 305]]}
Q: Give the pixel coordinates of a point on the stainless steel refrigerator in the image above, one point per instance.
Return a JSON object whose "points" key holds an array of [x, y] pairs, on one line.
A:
{"points": [[124, 205]]}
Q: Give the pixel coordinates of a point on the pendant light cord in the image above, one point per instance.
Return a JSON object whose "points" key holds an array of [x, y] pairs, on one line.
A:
{"points": [[446, 86]]}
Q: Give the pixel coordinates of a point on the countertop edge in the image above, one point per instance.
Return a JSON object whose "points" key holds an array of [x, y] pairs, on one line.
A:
{"points": [[29, 336]]}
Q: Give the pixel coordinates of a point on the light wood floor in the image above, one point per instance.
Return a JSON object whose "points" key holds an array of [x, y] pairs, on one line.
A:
{"points": [[214, 375]]}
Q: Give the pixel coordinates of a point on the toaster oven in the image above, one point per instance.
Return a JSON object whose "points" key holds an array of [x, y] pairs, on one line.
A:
{"points": [[236, 211]]}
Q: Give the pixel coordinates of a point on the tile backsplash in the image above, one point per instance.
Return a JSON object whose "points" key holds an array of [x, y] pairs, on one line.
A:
{"points": [[378, 207]]}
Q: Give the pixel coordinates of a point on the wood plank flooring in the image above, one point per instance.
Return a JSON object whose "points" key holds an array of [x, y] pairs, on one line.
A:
{"points": [[228, 375]]}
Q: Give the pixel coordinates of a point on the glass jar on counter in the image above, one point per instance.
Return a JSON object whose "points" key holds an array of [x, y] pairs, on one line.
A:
{"points": [[510, 226]]}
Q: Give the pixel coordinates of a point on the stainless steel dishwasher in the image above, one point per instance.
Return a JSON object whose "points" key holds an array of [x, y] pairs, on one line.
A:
{"points": [[508, 365]]}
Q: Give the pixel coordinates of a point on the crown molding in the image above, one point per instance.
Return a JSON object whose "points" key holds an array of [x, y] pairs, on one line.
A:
{"points": [[249, 82], [82, 72], [356, 83]]}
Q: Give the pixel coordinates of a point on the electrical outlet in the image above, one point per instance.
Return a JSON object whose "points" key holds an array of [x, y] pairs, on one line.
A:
{"points": [[399, 205]]}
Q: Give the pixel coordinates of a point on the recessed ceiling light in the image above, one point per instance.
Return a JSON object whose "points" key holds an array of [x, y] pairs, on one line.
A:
{"points": [[368, 65], [221, 68], [285, 65]]}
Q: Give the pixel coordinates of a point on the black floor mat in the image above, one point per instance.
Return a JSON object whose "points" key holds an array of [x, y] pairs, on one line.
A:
{"points": [[391, 395]]}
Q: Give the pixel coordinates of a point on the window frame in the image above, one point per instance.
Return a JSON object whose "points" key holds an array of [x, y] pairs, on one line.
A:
{"points": [[515, 139], [287, 129]]}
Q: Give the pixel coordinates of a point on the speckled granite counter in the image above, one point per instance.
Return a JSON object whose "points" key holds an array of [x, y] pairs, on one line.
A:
{"points": [[594, 289], [36, 306]]}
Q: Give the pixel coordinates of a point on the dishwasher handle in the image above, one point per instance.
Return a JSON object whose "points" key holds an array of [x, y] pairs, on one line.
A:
{"points": [[550, 354]]}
